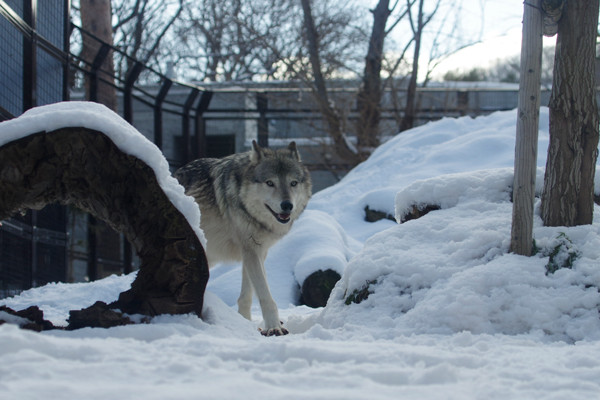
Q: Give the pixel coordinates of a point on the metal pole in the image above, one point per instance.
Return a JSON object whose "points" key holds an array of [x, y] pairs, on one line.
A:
{"points": [[130, 79], [158, 126], [200, 148], [92, 269], [262, 104], [29, 56], [66, 48], [94, 68], [186, 124]]}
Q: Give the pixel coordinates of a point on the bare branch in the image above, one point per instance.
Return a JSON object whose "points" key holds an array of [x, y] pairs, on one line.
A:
{"points": [[152, 49]]}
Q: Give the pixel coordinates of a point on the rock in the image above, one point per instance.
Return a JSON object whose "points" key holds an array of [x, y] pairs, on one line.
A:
{"points": [[418, 211], [374, 215], [317, 287]]}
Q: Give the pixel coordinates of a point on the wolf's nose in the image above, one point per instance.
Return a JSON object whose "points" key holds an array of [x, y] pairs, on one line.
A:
{"points": [[286, 205]]}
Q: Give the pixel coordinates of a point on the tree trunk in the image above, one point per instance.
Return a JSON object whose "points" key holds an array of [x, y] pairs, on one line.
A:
{"points": [[369, 95], [96, 18], [332, 119], [567, 199], [411, 93], [527, 130]]}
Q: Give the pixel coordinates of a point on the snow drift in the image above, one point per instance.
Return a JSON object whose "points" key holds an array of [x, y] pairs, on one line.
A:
{"points": [[447, 312]]}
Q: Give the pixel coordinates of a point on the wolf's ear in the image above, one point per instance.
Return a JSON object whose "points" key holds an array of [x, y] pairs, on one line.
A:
{"points": [[256, 153], [292, 148]]}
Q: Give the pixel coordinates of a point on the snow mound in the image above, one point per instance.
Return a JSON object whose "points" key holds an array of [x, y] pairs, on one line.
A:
{"points": [[450, 270], [318, 243], [447, 191], [447, 146]]}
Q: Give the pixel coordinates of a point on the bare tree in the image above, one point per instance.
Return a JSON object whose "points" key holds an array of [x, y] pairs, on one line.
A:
{"points": [[417, 27], [370, 93], [236, 39], [332, 118], [140, 28], [216, 44], [567, 199]]}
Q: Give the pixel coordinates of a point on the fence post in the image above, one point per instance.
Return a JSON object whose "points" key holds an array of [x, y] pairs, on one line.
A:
{"points": [[186, 124], [67, 27], [92, 269], [262, 104], [462, 102], [158, 127], [200, 148], [30, 56], [130, 79], [94, 68]]}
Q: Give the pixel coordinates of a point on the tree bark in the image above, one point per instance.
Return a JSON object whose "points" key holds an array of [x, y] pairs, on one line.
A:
{"points": [[332, 119], [369, 95], [411, 93], [85, 168], [96, 18], [568, 194], [527, 130]]}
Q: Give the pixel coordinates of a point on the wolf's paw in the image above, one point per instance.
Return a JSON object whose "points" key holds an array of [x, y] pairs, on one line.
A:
{"points": [[278, 331]]}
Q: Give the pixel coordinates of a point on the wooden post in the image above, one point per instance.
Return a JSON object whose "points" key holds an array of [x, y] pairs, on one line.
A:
{"points": [[527, 129]]}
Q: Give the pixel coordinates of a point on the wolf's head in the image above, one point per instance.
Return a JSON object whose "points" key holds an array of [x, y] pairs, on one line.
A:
{"points": [[281, 182]]}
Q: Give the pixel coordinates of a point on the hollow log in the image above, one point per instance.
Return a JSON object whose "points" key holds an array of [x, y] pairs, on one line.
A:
{"points": [[83, 167]]}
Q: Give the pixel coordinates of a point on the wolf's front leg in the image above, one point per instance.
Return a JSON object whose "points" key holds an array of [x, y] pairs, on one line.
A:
{"points": [[252, 266], [245, 299]]}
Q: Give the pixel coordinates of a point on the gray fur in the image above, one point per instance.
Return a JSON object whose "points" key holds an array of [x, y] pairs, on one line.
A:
{"points": [[244, 201]]}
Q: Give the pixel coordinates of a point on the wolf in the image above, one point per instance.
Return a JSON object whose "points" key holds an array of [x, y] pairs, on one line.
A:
{"points": [[248, 201]]}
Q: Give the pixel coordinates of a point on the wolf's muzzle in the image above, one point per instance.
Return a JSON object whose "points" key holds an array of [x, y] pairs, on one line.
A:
{"points": [[283, 217]]}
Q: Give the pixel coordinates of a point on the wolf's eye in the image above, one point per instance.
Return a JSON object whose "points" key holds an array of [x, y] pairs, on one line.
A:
{"points": [[270, 183], [293, 183]]}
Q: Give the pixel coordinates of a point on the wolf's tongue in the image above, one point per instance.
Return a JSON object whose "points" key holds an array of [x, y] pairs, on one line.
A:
{"points": [[284, 216]]}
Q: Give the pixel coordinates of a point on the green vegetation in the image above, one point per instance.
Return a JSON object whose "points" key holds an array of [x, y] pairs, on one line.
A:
{"points": [[359, 295], [562, 255]]}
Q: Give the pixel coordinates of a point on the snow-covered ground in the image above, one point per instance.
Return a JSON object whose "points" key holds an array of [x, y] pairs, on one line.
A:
{"points": [[450, 314]]}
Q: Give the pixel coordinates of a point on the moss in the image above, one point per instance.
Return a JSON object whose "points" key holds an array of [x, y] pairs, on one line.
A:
{"points": [[359, 295]]}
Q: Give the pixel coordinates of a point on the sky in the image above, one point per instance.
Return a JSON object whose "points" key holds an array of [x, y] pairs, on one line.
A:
{"points": [[500, 30], [492, 26]]}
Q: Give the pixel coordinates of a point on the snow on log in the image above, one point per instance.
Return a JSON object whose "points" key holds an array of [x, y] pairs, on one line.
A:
{"points": [[84, 154]]}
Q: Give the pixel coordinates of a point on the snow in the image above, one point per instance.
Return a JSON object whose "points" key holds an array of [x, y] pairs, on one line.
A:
{"points": [[450, 312], [99, 118]]}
